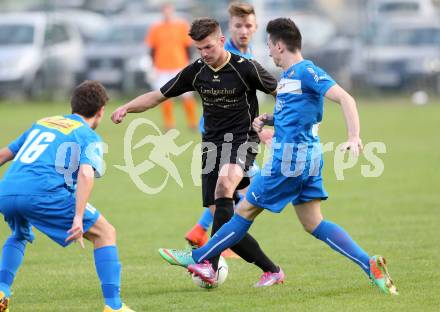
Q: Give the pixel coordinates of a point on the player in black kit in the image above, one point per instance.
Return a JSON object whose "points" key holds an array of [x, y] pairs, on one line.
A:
{"points": [[227, 84]]}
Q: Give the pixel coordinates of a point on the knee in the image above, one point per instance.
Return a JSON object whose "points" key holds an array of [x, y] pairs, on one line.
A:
{"points": [[224, 189], [102, 233], [308, 228], [310, 225], [109, 232]]}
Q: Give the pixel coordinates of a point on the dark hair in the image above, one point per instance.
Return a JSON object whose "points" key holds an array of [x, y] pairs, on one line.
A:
{"points": [[285, 30], [88, 98], [202, 28], [240, 9]]}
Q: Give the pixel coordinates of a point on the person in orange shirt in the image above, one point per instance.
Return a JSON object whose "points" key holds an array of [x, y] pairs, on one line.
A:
{"points": [[169, 43]]}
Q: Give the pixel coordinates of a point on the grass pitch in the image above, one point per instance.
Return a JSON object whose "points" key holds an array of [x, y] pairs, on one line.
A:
{"points": [[396, 214]]}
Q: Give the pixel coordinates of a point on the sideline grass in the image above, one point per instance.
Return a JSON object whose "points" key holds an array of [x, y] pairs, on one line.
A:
{"points": [[395, 215]]}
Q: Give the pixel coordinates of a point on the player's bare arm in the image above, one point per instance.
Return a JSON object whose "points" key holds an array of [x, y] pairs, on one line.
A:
{"points": [[5, 155], [348, 104], [84, 189], [138, 105]]}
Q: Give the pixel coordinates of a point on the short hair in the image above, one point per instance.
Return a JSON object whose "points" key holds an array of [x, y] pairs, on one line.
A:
{"points": [[202, 28], [285, 30], [240, 9], [88, 98]]}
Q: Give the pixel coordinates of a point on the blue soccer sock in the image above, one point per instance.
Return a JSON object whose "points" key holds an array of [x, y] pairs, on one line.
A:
{"points": [[108, 268], [339, 240], [228, 235], [205, 220], [12, 257]]}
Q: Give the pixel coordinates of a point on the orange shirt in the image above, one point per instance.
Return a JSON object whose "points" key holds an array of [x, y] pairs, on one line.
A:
{"points": [[170, 41]]}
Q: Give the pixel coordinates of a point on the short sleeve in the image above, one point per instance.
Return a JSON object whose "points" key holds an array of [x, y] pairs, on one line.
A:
{"points": [[92, 153], [181, 83], [316, 80], [261, 79], [15, 145]]}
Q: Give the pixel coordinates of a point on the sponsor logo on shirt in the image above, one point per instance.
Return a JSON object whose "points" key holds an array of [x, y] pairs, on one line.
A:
{"points": [[60, 123], [289, 86]]}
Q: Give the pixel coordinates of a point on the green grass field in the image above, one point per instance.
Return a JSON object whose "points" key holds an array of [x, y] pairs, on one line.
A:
{"points": [[396, 214]]}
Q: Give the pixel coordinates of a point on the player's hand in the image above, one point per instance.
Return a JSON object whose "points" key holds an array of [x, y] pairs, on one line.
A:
{"points": [[76, 232], [354, 145], [266, 136], [261, 121], [119, 114]]}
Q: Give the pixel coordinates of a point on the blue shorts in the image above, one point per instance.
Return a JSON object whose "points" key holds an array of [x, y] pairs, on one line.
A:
{"points": [[50, 214], [273, 188]]}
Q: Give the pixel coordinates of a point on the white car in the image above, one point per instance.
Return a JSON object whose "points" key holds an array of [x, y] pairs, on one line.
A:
{"points": [[39, 53], [400, 9], [404, 55], [119, 58]]}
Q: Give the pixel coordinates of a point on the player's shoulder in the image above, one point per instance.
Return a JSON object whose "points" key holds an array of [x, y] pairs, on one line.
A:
{"points": [[308, 69], [240, 60], [196, 65], [241, 63]]}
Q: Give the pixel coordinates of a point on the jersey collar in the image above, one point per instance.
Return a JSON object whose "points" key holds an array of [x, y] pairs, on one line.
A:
{"points": [[222, 65], [291, 70], [77, 118]]}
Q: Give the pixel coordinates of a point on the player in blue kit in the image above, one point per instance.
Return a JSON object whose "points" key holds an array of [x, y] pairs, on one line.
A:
{"points": [[294, 173], [48, 185]]}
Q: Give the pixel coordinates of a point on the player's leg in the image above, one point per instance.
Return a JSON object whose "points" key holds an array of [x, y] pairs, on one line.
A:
{"points": [[338, 239], [13, 248], [11, 260], [167, 112], [57, 220], [198, 236], [189, 105], [248, 248], [309, 214], [103, 236], [163, 76], [228, 235]]}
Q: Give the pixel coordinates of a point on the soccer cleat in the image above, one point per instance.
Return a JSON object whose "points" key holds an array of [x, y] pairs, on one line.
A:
{"points": [[124, 308], [177, 257], [380, 276], [4, 302], [270, 278], [197, 236], [204, 271]]}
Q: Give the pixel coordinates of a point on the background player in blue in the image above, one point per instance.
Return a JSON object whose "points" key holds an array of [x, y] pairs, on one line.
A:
{"points": [[242, 27], [294, 173], [48, 185]]}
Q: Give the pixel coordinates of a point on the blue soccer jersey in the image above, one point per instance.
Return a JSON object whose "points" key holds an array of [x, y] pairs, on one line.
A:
{"points": [[299, 108], [38, 188], [294, 173], [48, 156]]}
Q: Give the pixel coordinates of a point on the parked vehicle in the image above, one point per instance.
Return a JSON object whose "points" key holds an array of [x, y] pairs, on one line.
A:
{"points": [[404, 55], [400, 9], [39, 53], [119, 57]]}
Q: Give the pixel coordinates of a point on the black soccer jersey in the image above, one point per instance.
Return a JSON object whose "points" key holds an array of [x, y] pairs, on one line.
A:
{"points": [[228, 94]]}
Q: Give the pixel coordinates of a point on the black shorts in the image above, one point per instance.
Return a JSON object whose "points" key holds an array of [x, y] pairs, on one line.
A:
{"points": [[214, 157]]}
